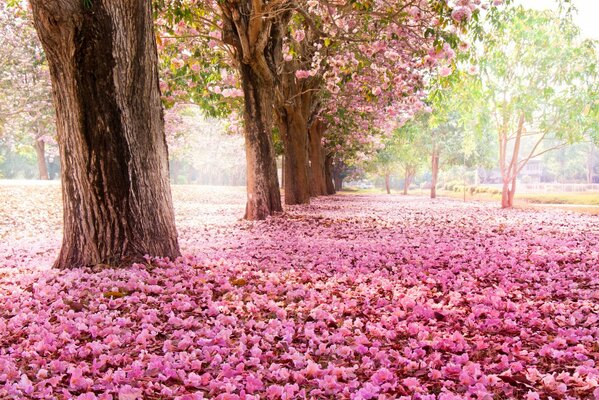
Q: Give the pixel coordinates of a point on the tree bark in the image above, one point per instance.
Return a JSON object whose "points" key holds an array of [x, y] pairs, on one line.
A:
{"points": [[387, 184], [435, 172], [338, 182], [509, 172], [283, 171], [40, 152], [263, 193], [256, 40], [318, 185], [294, 132], [507, 193], [328, 172], [115, 182]]}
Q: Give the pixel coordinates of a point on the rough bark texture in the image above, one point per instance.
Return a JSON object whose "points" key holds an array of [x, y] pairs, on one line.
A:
{"points": [[115, 186], [40, 152], [256, 36], [318, 179], [328, 173], [435, 172], [294, 132], [293, 105], [263, 194]]}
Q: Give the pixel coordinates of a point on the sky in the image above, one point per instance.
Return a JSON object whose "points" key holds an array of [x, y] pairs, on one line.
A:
{"points": [[586, 17]]}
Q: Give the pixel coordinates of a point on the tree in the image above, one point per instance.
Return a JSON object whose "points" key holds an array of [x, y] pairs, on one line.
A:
{"points": [[537, 77], [267, 44], [26, 111], [116, 194]]}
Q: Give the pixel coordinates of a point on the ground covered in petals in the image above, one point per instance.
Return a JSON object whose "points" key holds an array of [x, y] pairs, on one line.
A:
{"points": [[352, 297]]}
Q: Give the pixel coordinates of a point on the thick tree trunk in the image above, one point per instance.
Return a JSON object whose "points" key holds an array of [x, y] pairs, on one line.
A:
{"points": [[115, 183], [256, 44], [435, 173], [294, 132], [318, 184], [40, 152], [387, 183], [328, 173], [263, 193], [339, 170]]}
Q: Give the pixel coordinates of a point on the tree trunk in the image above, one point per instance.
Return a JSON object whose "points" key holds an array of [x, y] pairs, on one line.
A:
{"points": [[435, 173], [512, 193], [509, 172], [263, 193], [294, 132], [318, 185], [40, 152], [328, 173], [406, 183], [115, 182], [387, 184], [256, 44], [283, 171], [339, 170], [338, 182]]}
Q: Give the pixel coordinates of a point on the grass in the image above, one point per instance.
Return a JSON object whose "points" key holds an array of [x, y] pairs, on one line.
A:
{"points": [[562, 198], [581, 202]]}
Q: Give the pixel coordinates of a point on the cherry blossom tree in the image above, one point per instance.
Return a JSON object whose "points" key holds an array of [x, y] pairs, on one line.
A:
{"points": [[26, 110], [104, 67], [293, 57]]}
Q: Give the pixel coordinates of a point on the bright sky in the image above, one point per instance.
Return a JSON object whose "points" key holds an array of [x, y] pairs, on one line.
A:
{"points": [[585, 18]]}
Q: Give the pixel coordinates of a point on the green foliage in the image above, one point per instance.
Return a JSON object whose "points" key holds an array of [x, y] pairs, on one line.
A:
{"points": [[404, 150], [533, 63]]}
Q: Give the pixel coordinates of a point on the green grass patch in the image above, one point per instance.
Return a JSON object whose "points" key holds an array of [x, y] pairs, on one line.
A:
{"points": [[588, 199]]}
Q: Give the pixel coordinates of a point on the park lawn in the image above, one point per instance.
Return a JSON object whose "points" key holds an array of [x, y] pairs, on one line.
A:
{"points": [[352, 297], [561, 198], [578, 199]]}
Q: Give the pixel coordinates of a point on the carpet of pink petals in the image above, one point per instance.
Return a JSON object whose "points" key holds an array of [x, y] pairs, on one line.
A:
{"points": [[352, 297]]}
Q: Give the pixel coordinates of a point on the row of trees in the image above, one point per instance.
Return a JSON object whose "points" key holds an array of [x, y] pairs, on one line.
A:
{"points": [[534, 89], [331, 80], [308, 66]]}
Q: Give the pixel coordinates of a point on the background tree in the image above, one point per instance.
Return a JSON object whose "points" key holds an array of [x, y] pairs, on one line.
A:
{"points": [[536, 74], [267, 44], [26, 110]]}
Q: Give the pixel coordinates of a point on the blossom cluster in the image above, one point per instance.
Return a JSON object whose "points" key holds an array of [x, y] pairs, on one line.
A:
{"points": [[352, 297]]}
